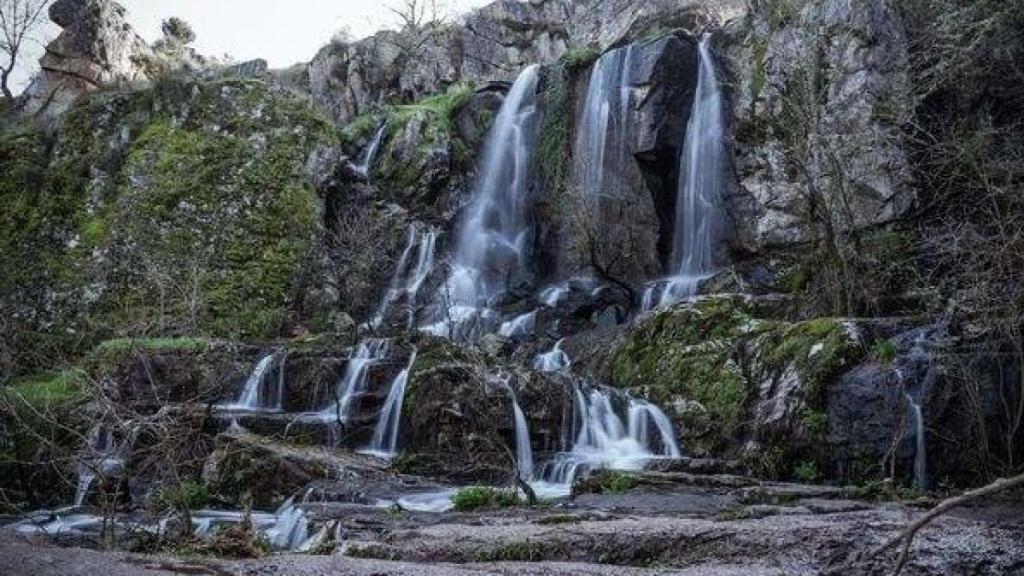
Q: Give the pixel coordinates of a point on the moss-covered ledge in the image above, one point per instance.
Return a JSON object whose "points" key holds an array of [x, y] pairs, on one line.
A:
{"points": [[728, 377]]}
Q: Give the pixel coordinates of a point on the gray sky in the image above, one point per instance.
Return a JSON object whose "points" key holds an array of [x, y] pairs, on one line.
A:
{"points": [[281, 31]]}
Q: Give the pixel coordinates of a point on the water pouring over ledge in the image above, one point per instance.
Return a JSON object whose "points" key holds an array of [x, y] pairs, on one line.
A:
{"points": [[409, 275], [698, 197], [255, 397], [491, 249]]}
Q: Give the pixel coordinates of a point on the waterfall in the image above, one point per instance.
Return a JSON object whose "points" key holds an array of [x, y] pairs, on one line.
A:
{"points": [[410, 274], [370, 153], [605, 440], [554, 295], [698, 197], [491, 251], [254, 396], [385, 435], [605, 121], [553, 361], [524, 453], [917, 419], [353, 380], [290, 528], [520, 326], [104, 458]]}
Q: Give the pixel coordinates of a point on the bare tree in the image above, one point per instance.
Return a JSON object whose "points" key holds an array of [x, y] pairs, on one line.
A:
{"points": [[19, 21], [419, 21]]}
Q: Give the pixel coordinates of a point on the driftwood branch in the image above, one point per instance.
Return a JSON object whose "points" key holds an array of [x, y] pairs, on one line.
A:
{"points": [[906, 537]]}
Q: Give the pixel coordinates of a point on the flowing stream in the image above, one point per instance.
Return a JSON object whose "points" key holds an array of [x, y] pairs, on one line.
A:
{"points": [[605, 123]]}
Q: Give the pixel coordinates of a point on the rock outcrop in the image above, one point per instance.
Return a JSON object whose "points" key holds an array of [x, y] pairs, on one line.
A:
{"points": [[818, 89], [96, 48]]}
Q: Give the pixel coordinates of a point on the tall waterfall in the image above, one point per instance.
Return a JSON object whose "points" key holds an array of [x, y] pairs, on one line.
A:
{"points": [[605, 440], [410, 274], [491, 250], [698, 198], [255, 395], [601, 145], [385, 435]]}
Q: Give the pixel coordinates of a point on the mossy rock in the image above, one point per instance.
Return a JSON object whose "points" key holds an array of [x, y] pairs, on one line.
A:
{"points": [[182, 208], [727, 377]]}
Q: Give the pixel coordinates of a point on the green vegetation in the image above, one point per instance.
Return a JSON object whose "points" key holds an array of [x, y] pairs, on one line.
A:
{"points": [[616, 483], [807, 471], [579, 58], [522, 551], [476, 497], [183, 208], [189, 495], [884, 351], [45, 391]]}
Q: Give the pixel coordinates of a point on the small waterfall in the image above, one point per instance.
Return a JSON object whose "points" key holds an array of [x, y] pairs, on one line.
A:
{"points": [[353, 381], [104, 458], [917, 419], [554, 361], [698, 197], [552, 296], [605, 440], [409, 274], [385, 435], [370, 153], [605, 123], [520, 326], [524, 453], [254, 396], [491, 251], [290, 528]]}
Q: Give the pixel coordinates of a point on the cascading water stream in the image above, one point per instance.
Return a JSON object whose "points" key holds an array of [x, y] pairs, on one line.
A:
{"points": [[409, 274], [554, 360], [353, 381], [370, 153], [605, 121], [520, 326], [491, 251], [605, 441], [698, 198], [254, 396], [385, 435], [524, 452]]}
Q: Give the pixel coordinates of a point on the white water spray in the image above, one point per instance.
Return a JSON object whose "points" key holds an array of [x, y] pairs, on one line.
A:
{"points": [[554, 360], [370, 153]]}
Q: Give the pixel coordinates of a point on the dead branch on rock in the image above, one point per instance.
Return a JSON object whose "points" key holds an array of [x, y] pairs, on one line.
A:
{"points": [[908, 533]]}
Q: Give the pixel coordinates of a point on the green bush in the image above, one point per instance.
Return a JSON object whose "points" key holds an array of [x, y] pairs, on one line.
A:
{"points": [[476, 497], [616, 483], [807, 471], [189, 495], [884, 351]]}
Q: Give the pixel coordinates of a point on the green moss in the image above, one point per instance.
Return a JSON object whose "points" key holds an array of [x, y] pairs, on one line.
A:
{"points": [[179, 209], [884, 351], [475, 497], [521, 551], [616, 483], [689, 352], [189, 495], [819, 349]]}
